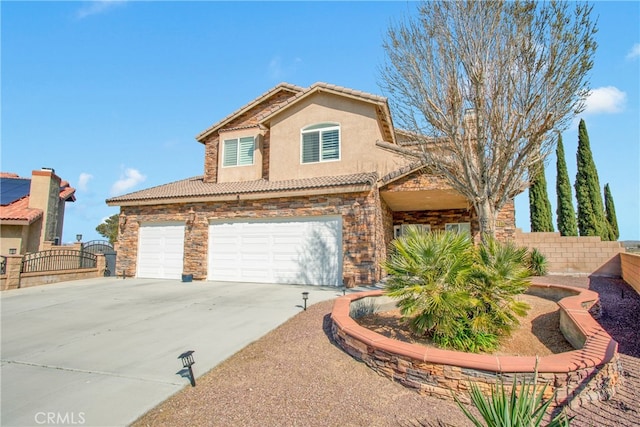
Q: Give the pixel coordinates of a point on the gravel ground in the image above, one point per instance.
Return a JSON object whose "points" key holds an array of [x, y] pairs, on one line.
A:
{"points": [[296, 376]]}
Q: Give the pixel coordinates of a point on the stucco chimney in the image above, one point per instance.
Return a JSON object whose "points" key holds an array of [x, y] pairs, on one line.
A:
{"points": [[45, 195]]}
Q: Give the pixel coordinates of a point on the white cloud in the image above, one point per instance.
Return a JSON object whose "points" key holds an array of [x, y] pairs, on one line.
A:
{"points": [[608, 99], [128, 179], [97, 7], [83, 181], [634, 52]]}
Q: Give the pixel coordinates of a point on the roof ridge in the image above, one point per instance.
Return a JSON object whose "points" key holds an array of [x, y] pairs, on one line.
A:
{"points": [[248, 106]]}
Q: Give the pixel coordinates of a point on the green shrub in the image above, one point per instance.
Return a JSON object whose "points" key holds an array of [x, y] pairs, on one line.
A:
{"points": [[538, 264], [522, 406], [460, 296]]}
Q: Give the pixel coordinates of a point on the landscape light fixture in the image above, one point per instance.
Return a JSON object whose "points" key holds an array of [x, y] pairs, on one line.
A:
{"points": [[79, 237], [305, 297], [187, 362]]}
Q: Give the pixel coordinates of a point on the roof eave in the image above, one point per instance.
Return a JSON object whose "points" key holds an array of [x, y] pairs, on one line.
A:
{"points": [[354, 188]]}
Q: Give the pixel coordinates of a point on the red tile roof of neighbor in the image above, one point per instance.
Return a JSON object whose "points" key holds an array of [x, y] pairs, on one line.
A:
{"points": [[196, 187], [19, 210]]}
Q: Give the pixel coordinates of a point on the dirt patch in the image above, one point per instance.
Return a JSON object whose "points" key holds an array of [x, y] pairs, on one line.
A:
{"points": [[538, 334]]}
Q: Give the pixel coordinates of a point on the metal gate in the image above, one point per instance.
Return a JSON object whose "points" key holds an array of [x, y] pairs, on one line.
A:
{"points": [[105, 248]]}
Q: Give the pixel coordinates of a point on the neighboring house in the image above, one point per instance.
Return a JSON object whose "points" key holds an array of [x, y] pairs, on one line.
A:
{"points": [[32, 210], [301, 185]]}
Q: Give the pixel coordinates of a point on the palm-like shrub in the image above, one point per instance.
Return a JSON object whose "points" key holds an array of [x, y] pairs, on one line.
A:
{"points": [[427, 272], [499, 275], [460, 296]]}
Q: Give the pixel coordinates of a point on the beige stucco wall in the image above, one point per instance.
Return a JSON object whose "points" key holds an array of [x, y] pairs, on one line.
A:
{"points": [[241, 173], [45, 194], [24, 238], [11, 238], [359, 131]]}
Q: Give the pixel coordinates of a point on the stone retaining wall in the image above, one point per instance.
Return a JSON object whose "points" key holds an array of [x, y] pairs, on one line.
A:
{"points": [[592, 372]]}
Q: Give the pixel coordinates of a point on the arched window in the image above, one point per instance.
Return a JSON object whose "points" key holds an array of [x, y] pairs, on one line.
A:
{"points": [[320, 143]]}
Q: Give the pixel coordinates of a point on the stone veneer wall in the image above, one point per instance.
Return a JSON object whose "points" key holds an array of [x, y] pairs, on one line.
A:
{"points": [[575, 255], [360, 212], [589, 373], [417, 181]]}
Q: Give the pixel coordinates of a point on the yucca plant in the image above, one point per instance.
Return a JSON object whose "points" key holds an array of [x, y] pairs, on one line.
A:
{"points": [[537, 263], [522, 406]]}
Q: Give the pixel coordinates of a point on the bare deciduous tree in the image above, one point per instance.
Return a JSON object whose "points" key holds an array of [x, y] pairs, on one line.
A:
{"points": [[485, 86]]}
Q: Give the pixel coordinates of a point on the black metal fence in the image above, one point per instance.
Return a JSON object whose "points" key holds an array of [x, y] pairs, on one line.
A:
{"points": [[105, 248], [58, 259], [3, 265]]}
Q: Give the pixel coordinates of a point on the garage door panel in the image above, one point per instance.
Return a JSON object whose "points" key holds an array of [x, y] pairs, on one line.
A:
{"points": [[160, 251], [278, 251]]}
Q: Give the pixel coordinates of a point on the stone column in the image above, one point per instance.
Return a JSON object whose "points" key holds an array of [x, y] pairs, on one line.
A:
{"points": [[14, 264]]}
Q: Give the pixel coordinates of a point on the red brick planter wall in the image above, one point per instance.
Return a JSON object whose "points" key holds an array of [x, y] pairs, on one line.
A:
{"points": [[591, 372]]}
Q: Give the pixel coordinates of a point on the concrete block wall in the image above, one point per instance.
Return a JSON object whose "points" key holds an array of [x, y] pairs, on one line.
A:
{"points": [[575, 255]]}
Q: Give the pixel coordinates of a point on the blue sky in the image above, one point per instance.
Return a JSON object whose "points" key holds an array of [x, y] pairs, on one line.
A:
{"points": [[111, 93]]}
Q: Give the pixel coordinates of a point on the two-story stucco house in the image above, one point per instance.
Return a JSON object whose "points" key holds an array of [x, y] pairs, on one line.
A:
{"points": [[301, 185], [32, 210]]}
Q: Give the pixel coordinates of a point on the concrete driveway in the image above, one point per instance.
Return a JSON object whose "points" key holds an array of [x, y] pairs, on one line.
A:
{"points": [[102, 352]]}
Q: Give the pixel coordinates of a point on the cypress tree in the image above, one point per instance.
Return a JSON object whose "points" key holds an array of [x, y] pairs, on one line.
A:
{"points": [[591, 218], [539, 206], [610, 210], [565, 213]]}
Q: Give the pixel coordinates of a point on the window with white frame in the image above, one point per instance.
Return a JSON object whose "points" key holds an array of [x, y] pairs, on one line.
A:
{"points": [[399, 230], [238, 151], [320, 143], [458, 227]]}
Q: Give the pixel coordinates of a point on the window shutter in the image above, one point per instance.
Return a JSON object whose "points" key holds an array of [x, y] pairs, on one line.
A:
{"points": [[230, 152], [331, 145], [245, 155], [310, 147]]}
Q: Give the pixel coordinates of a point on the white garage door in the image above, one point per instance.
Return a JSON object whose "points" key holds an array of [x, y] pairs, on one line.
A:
{"points": [[292, 250], [160, 250]]}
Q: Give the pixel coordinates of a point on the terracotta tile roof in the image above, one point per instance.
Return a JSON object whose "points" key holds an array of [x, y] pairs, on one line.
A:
{"points": [[67, 192], [20, 211], [282, 86], [196, 187]]}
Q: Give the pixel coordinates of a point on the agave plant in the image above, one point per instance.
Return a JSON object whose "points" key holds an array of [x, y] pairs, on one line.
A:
{"points": [[522, 406]]}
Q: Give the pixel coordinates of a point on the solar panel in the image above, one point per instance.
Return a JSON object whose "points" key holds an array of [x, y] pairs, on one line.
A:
{"points": [[12, 189]]}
